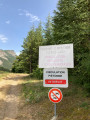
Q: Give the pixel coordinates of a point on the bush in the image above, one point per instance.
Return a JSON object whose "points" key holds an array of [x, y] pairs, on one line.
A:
{"points": [[85, 72], [4, 69], [87, 87], [38, 73]]}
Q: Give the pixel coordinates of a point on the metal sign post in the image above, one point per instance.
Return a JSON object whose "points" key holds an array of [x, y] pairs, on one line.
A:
{"points": [[55, 109], [55, 95]]}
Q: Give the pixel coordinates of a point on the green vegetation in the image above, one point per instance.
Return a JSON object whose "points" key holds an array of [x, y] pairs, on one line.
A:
{"points": [[33, 90], [70, 24], [35, 94], [4, 69], [74, 105]]}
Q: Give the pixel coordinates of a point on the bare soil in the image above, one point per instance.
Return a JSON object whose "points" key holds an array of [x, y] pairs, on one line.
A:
{"points": [[14, 107], [10, 91]]}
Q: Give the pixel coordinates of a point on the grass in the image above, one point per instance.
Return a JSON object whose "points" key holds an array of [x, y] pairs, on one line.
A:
{"points": [[85, 105], [33, 90], [3, 74], [74, 105]]}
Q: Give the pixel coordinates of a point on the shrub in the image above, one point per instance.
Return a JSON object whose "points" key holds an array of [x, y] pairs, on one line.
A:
{"points": [[38, 73]]}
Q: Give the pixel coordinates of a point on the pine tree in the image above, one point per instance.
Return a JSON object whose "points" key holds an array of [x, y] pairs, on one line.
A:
{"points": [[28, 59], [71, 25], [28, 46], [48, 32]]}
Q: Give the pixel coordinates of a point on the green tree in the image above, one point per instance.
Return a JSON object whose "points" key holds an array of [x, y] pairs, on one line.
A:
{"points": [[18, 65], [71, 25], [28, 59], [48, 32], [38, 42]]}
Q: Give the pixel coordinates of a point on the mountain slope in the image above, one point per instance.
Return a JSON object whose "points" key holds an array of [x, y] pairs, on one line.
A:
{"points": [[7, 58]]}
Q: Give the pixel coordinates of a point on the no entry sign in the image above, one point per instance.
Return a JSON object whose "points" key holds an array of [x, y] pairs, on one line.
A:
{"points": [[55, 95], [55, 77]]}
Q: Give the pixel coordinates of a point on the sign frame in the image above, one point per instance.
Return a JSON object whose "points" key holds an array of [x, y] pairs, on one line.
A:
{"points": [[56, 56]]}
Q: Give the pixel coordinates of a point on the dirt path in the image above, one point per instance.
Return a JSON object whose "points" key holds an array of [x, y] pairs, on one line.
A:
{"points": [[10, 96]]}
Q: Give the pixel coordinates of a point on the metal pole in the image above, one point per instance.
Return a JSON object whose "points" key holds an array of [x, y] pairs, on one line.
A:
{"points": [[55, 109]]}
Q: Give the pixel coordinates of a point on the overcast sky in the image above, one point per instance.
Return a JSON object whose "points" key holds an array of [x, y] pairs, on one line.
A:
{"points": [[16, 18]]}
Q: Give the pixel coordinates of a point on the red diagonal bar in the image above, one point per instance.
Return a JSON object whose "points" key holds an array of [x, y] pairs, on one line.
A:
{"points": [[55, 95]]}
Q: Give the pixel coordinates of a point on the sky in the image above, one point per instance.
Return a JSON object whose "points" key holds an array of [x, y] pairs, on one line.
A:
{"points": [[18, 16]]}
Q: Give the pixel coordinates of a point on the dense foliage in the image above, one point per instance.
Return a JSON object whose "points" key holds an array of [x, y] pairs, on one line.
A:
{"points": [[70, 24], [4, 69], [27, 61]]}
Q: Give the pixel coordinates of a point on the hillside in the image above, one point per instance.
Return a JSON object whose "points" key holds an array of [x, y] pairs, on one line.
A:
{"points": [[7, 57]]}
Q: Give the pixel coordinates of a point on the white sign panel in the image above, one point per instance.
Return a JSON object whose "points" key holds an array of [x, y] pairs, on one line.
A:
{"points": [[60, 56], [55, 77]]}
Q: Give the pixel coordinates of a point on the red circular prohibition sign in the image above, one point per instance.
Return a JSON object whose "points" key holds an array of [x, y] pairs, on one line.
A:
{"points": [[55, 95]]}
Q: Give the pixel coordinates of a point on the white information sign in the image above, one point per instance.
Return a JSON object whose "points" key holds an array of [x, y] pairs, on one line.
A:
{"points": [[55, 77], [53, 56]]}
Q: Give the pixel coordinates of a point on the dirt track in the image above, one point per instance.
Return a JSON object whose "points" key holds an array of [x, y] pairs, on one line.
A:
{"points": [[12, 104], [10, 96]]}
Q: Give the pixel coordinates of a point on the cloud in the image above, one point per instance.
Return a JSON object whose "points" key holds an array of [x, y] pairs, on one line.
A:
{"points": [[3, 39], [7, 22], [26, 13], [31, 17]]}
